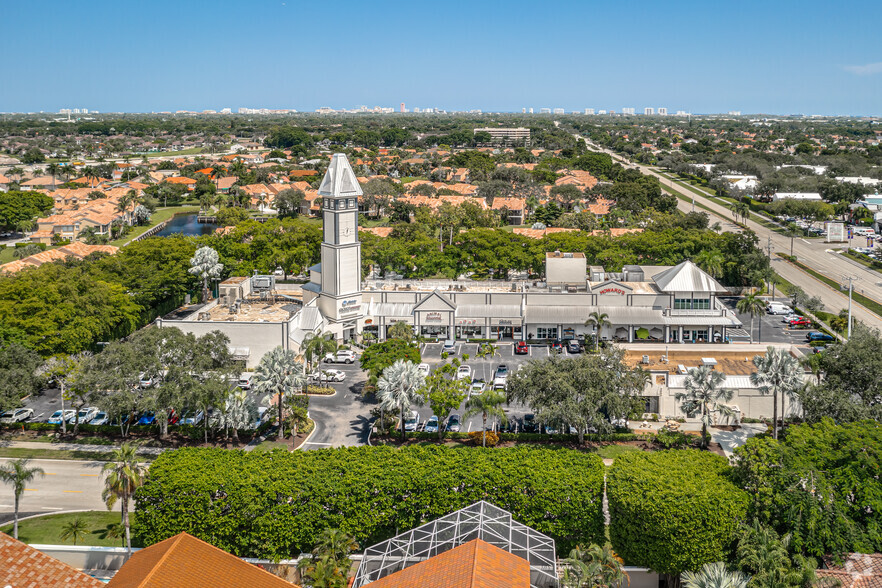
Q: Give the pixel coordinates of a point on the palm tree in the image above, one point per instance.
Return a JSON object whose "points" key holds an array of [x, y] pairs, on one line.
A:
{"points": [[715, 575], [487, 404], [205, 264], [703, 392], [399, 388], [400, 330], [91, 175], [53, 169], [776, 372], [17, 474], [753, 305], [219, 171], [315, 347], [711, 261], [336, 544], [75, 529], [124, 475], [598, 320], [763, 554], [594, 567], [278, 374], [486, 351]]}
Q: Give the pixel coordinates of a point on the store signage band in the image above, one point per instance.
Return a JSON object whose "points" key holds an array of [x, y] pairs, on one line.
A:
{"points": [[619, 291], [433, 316]]}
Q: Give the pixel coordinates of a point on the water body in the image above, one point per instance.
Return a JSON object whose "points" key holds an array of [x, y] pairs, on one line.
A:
{"points": [[186, 225]]}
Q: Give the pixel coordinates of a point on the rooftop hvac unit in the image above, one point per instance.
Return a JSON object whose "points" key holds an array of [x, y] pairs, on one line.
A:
{"points": [[645, 360], [664, 359]]}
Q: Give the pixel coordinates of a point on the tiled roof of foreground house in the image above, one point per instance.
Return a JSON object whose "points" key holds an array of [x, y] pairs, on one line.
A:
{"points": [[476, 564], [184, 560], [859, 570], [22, 566], [75, 249]]}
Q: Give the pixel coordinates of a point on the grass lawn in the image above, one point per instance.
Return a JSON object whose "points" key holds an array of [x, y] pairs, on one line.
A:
{"points": [[48, 529], [270, 445], [161, 215], [613, 451], [18, 452], [182, 152]]}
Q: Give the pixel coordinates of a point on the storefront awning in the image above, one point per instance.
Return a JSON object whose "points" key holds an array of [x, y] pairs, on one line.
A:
{"points": [[537, 315], [489, 311], [390, 309]]}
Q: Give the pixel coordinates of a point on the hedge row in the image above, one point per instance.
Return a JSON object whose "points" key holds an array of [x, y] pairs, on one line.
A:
{"points": [[189, 431], [275, 504], [538, 437], [673, 511]]}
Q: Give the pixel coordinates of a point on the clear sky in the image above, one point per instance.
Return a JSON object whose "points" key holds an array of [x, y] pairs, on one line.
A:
{"points": [[774, 56]]}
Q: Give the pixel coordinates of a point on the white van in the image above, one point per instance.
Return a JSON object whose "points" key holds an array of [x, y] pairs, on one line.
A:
{"points": [[245, 381], [778, 308]]}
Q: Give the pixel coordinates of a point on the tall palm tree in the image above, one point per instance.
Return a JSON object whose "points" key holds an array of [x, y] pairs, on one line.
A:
{"points": [[704, 393], [594, 567], [91, 175], [17, 474], [399, 388], [315, 347], [711, 261], [53, 169], [715, 575], [219, 172], [598, 320], [777, 372], [487, 404], [753, 305], [205, 263], [75, 529], [278, 374], [124, 475]]}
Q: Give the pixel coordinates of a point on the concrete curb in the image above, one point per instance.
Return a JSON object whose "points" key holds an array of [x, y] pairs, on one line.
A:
{"points": [[51, 512], [308, 437]]}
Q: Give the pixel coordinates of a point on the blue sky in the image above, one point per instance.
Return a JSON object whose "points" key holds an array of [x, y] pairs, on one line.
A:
{"points": [[775, 56]]}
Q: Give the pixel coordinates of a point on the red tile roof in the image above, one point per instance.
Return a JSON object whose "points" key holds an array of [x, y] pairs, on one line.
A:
{"points": [[859, 570], [22, 566], [476, 564], [184, 560]]}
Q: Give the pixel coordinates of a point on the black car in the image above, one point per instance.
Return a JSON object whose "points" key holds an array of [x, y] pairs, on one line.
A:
{"points": [[574, 347], [530, 424]]}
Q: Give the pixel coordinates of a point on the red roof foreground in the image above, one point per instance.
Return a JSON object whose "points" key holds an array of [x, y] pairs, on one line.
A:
{"points": [[475, 564], [22, 566], [185, 561]]}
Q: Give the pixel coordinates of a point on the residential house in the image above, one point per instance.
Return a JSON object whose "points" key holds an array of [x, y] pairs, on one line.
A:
{"points": [[514, 209], [540, 233], [77, 249], [40, 183], [260, 196], [224, 184], [182, 181], [22, 566], [4, 183]]}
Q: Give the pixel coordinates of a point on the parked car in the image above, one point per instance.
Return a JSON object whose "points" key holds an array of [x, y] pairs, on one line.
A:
{"points": [[800, 322], [791, 317], [478, 387], [819, 349], [327, 375], [530, 425], [86, 414], [449, 347], [100, 418], [148, 418], [58, 416], [412, 421], [464, 372], [431, 425], [424, 368], [521, 348], [574, 347], [779, 308], [173, 417], [818, 336], [557, 347], [245, 381], [19, 415], [279, 272], [501, 377], [342, 356], [145, 381], [453, 423], [191, 417]]}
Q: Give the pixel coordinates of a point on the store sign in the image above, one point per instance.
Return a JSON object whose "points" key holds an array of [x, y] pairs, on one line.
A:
{"points": [[504, 322], [618, 291], [350, 306], [368, 321], [433, 316]]}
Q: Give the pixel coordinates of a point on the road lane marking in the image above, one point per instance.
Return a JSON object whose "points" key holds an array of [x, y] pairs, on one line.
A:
{"points": [[49, 474], [73, 491], [52, 508], [90, 475]]}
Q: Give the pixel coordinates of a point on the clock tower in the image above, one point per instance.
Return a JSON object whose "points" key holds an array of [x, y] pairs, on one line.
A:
{"points": [[340, 298]]}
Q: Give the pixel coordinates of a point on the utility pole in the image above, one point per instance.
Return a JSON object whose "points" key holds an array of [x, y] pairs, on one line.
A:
{"points": [[850, 290], [769, 255]]}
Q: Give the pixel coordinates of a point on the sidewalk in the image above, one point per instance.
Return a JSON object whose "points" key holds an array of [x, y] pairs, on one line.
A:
{"points": [[77, 447]]}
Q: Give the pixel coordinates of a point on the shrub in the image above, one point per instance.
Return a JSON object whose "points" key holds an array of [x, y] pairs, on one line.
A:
{"points": [[275, 504], [672, 439], [321, 390], [673, 511], [477, 437]]}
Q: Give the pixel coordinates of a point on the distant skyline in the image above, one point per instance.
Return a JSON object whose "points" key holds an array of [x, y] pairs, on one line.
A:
{"points": [[784, 57]]}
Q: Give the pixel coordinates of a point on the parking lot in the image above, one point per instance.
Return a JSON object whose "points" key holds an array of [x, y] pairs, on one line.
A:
{"points": [[773, 329]]}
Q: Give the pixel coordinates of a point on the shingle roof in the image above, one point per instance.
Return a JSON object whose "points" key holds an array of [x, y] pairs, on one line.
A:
{"points": [[184, 560], [22, 566], [476, 564]]}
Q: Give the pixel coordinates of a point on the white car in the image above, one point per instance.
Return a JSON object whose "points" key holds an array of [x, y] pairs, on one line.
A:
{"points": [[328, 376], [245, 381], [464, 372], [478, 387], [86, 414], [100, 418], [18, 415], [779, 309], [343, 356], [423, 368], [57, 416], [412, 421], [791, 317], [431, 425]]}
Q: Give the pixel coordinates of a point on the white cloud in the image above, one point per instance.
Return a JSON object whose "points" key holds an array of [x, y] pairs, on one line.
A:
{"points": [[865, 70]]}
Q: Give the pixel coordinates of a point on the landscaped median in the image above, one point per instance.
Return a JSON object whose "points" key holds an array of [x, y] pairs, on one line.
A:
{"points": [[99, 529], [864, 301]]}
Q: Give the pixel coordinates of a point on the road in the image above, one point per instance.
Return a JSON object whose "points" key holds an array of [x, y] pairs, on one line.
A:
{"points": [[67, 485], [813, 253]]}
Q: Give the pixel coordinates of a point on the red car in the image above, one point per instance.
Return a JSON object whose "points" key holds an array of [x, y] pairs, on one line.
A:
{"points": [[520, 348], [800, 322]]}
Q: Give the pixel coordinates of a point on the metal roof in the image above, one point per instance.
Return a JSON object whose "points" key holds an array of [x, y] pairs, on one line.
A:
{"points": [[488, 311], [686, 277], [339, 180]]}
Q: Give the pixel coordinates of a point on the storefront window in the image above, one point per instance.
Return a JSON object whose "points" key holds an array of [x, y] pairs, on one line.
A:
{"points": [[434, 331], [470, 332], [692, 303], [546, 332]]}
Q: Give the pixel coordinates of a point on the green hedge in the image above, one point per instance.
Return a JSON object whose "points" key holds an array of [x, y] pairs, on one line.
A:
{"points": [[539, 437], [673, 511], [275, 504]]}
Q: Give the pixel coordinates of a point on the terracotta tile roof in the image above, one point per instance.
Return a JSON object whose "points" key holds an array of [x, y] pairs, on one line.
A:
{"points": [[378, 231], [75, 249], [615, 232], [22, 566], [476, 564], [513, 204], [4, 180], [859, 570], [184, 560], [226, 183], [539, 233], [42, 181], [300, 173], [180, 180]]}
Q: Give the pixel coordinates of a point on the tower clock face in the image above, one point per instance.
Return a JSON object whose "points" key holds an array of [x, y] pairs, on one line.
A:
{"points": [[347, 226]]}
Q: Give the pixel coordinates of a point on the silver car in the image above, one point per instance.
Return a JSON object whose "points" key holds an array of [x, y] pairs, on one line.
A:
{"points": [[19, 415]]}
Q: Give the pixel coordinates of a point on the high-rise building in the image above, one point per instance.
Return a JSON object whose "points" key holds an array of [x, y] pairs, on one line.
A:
{"points": [[649, 110], [628, 110], [544, 111], [402, 107], [518, 136], [558, 111], [227, 111], [601, 112], [523, 111], [589, 111], [682, 113], [531, 111], [662, 111]]}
